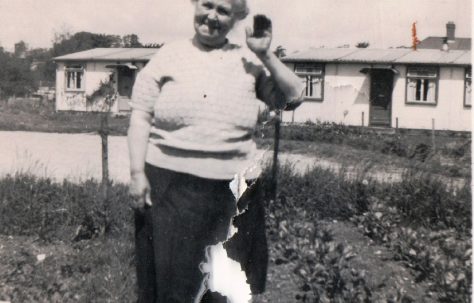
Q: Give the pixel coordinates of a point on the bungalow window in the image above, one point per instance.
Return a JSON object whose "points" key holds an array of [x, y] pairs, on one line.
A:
{"points": [[422, 85], [467, 88], [312, 76], [75, 77]]}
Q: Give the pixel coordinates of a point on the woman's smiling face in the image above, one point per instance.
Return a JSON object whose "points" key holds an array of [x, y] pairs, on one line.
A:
{"points": [[213, 19]]}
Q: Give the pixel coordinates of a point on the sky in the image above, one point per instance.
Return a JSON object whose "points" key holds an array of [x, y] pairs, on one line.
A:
{"points": [[297, 24]]}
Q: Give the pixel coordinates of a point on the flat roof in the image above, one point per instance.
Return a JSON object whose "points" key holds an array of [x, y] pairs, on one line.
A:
{"points": [[372, 55], [110, 54], [376, 55], [341, 55], [464, 59], [431, 56], [319, 54]]}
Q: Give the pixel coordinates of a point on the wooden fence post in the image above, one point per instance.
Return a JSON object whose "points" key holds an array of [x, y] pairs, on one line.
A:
{"points": [[433, 142], [275, 155], [104, 136], [105, 147], [105, 185]]}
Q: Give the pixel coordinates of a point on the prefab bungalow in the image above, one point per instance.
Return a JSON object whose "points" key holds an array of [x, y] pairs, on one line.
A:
{"points": [[405, 88], [400, 88], [79, 75]]}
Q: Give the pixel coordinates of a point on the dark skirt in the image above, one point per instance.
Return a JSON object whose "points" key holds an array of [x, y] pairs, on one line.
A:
{"points": [[188, 214]]}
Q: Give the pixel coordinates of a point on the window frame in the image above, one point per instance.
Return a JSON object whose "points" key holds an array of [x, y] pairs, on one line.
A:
{"points": [[75, 68], [467, 78], [435, 79], [316, 65]]}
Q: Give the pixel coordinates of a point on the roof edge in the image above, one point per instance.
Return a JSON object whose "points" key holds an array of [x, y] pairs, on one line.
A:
{"points": [[59, 59], [375, 62]]}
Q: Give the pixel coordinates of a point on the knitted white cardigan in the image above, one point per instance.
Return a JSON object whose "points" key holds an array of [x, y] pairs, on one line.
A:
{"points": [[205, 108]]}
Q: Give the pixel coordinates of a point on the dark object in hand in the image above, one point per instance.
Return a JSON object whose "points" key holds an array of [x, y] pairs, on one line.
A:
{"points": [[291, 106], [260, 24]]}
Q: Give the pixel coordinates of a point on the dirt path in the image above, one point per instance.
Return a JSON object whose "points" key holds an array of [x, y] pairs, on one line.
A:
{"points": [[386, 174], [62, 156], [77, 157]]}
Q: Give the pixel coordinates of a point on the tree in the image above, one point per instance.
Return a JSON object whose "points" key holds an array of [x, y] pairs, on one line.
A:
{"points": [[66, 43], [363, 44], [20, 49], [16, 78], [42, 68], [131, 41]]}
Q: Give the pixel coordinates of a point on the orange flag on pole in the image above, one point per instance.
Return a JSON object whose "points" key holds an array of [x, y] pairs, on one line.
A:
{"points": [[415, 40]]}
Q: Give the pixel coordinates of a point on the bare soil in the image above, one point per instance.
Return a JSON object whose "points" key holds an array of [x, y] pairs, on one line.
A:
{"points": [[32, 271], [388, 278]]}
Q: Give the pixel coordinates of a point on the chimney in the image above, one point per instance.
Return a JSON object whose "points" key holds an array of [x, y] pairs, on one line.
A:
{"points": [[450, 28]]}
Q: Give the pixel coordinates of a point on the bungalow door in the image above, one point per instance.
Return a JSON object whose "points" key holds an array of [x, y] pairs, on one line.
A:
{"points": [[125, 78], [381, 85]]}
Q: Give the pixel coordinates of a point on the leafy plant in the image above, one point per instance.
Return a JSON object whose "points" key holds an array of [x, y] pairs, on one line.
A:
{"points": [[55, 211]]}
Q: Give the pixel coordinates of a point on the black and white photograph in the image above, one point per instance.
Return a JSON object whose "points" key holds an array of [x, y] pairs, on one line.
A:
{"points": [[235, 151]]}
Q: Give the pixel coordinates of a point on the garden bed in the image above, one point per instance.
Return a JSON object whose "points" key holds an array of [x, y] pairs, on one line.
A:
{"points": [[331, 239]]}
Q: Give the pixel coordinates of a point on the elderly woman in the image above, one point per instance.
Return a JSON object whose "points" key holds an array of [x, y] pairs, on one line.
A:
{"points": [[194, 109]]}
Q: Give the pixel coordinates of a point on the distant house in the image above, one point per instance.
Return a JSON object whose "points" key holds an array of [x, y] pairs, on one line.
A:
{"points": [[449, 42], [385, 87], [79, 74]]}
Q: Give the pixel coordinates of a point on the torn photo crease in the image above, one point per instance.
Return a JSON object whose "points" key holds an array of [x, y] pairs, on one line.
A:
{"points": [[225, 275]]}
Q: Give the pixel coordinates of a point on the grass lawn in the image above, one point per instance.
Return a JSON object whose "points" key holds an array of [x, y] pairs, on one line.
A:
{"points": [[43, 118], [349, 156]]}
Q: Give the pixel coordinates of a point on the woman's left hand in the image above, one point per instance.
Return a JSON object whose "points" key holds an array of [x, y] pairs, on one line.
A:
{"points": [[259, 45]]}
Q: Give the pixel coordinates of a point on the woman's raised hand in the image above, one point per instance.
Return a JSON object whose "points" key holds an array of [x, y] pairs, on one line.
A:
{"points": [[259, 45]]}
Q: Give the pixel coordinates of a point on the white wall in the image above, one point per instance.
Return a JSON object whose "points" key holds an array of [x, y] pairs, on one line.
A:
{"points": [[449, 113], [94, 73], [346, 97], [347, 92], [75, 101]]}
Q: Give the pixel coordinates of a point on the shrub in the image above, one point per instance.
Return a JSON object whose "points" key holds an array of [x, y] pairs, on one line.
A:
{"points": [[38, 206], [425, 200], [413, 144], [394, 146]]}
